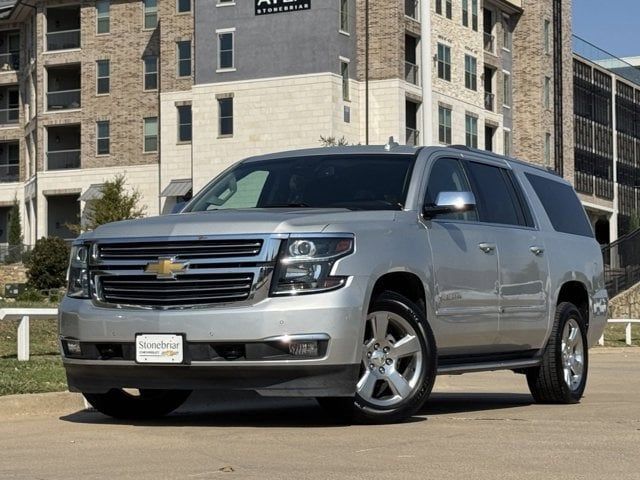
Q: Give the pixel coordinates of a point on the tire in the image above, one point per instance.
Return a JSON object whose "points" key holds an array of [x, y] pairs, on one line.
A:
{"points": [[399, 365], [148, 404], [562, 377]]}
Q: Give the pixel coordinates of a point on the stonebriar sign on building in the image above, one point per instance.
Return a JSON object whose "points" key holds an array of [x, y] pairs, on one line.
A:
{"points": [[266, 7]]}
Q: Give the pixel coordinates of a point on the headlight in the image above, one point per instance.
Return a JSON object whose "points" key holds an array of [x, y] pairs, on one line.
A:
{"points": [[305, 265], [78, 276]]}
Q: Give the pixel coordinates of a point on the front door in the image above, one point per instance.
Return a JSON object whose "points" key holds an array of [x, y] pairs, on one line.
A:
{"points": [[465, 270]]}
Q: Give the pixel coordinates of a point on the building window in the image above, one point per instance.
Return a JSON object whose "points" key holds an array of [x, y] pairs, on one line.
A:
{"points": [[444, 62], [184, 123], [184, 6], [465, 13], [471, 131], [547, 149], [184, 58], [102, 16], [444, 125], [344, 16], [439, 7], [102, 137], [506, 87], [151, 134], [225, 109], [507, 34], [344, 71], [547, 37], [150, 65], [470, 72], [474, 14], [102, 77], [507, 142], [448, 9], [225, 50], [150, 13], [547, 92]]}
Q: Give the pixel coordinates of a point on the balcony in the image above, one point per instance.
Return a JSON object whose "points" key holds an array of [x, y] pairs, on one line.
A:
{"points": [[63, 87], [413, 137], [63, 147], [412, 8], [411, 73], [489, 42], [9, 51], [63, 28], [489, 101], [9, 162]]}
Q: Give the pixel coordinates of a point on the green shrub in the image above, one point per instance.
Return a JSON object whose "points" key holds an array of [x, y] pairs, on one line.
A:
{"points": [[30, 295], [47, 264]]}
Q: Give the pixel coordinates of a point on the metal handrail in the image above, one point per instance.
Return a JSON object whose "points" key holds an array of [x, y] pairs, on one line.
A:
{"points": [[69, 39], [622, 263], [66, 99]]}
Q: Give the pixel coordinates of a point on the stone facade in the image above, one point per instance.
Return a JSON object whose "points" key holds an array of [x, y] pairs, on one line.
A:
{"points": [[626, 304], [14, 273]]}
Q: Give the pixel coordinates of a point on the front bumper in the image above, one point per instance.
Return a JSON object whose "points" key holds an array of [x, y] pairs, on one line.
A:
{"points": [[339, 315]]}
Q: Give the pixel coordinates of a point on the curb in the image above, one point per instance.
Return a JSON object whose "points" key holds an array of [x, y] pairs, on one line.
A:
{"points": [[41, 404]]}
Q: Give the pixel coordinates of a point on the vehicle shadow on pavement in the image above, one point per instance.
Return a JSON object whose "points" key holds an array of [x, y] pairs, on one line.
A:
{"points": [[250, 410]]}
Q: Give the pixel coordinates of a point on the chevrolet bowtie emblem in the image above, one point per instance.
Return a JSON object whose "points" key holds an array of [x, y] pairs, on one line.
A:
{"points": [[165, 267]]}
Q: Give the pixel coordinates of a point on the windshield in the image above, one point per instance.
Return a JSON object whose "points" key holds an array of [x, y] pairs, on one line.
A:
{"points": [[356, 182]]}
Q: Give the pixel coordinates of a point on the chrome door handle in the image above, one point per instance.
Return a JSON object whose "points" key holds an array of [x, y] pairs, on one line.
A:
{"points": [[487, 247], [536, 250]]}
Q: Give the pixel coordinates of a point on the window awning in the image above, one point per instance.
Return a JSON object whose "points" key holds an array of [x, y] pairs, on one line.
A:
{"points": [[94, 192], [177, 188]]}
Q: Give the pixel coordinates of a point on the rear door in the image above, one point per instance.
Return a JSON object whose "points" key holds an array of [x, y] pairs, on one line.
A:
{"points": [[523, 268], [465, 270]]}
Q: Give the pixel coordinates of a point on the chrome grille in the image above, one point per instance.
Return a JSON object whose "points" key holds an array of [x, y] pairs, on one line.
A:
{"points": [[184, 290], [216, 270], [180, 250]]}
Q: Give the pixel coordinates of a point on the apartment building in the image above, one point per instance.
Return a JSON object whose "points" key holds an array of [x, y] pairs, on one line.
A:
{"points": [[80, 85], [171, 92], [607, 139]]}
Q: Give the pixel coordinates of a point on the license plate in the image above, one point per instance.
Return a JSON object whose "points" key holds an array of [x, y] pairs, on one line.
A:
{"points": [[159, 348]]}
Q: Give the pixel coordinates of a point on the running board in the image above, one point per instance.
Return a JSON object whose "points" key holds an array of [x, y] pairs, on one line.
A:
{"points": [[456, 369]]}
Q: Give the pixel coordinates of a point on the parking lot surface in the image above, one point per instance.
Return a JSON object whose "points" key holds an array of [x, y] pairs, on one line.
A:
{"points": [[480, 426]]}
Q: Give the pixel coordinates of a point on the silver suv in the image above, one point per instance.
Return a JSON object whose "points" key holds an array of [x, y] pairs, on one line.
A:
{"points": [[353, 275]]}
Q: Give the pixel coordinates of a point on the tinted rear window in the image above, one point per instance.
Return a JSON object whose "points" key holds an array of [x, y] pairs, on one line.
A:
{"points": [[562, 206]]}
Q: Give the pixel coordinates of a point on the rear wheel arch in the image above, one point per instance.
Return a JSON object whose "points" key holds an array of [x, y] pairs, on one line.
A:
{"points": [[575, 292]]}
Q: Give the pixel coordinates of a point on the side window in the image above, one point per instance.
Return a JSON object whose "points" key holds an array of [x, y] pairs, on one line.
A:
{"points": [[562, 206], [496, 196], [447, 175]]}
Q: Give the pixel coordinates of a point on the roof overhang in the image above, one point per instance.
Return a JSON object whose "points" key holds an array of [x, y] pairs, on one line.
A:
{"points": [[177, 188]]}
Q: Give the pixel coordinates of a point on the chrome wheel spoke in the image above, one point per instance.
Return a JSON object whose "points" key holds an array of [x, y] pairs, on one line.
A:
{"points": [[379, 326], [573, 336], [398, 384], [366, 385], [407, 345], [572, 354]]}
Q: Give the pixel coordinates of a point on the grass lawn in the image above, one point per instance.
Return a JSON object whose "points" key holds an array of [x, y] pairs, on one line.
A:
{"points": [[614, 335], [43, 372]]}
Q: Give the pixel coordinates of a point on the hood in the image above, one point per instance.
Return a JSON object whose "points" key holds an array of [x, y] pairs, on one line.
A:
{"points": [[237, 222]]}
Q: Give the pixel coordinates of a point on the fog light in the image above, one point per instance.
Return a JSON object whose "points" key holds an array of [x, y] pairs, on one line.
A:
{"points": [[73, 347], [305, 348]]}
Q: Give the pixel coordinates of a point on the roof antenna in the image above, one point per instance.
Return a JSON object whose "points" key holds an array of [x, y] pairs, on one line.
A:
{"points": [[391, 144]]}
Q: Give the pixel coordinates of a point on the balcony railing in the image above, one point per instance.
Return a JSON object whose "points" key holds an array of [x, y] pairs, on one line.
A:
{"points": [[63, 99], [413, 136], [412, 73], [489, 99], [9, 62], [9, 173], [411, 8], [489, 42], [63, 159], [63, 40], [9, 116]]}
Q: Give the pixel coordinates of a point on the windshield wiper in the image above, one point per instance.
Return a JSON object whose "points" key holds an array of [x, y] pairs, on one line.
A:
{"points": [[288, 205]]}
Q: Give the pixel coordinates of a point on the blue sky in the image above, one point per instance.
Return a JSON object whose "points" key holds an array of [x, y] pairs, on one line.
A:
{"points": [[612, 25]]}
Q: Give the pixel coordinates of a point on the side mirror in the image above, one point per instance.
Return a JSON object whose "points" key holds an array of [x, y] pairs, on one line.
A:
{"points": [[450, 202]]}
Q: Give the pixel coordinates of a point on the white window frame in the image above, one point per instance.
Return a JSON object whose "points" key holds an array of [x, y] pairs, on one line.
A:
{"points": [[223, 31], [145, 73], [346, 86], [186, 12], [344, 31], [98, 138], [179, 60], [98, 77], [107, 16], [144, 135], [146, 11], [507, 93]]}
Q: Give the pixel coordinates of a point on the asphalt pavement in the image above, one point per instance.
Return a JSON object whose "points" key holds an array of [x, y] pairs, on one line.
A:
{"points": [[476, 426]]}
